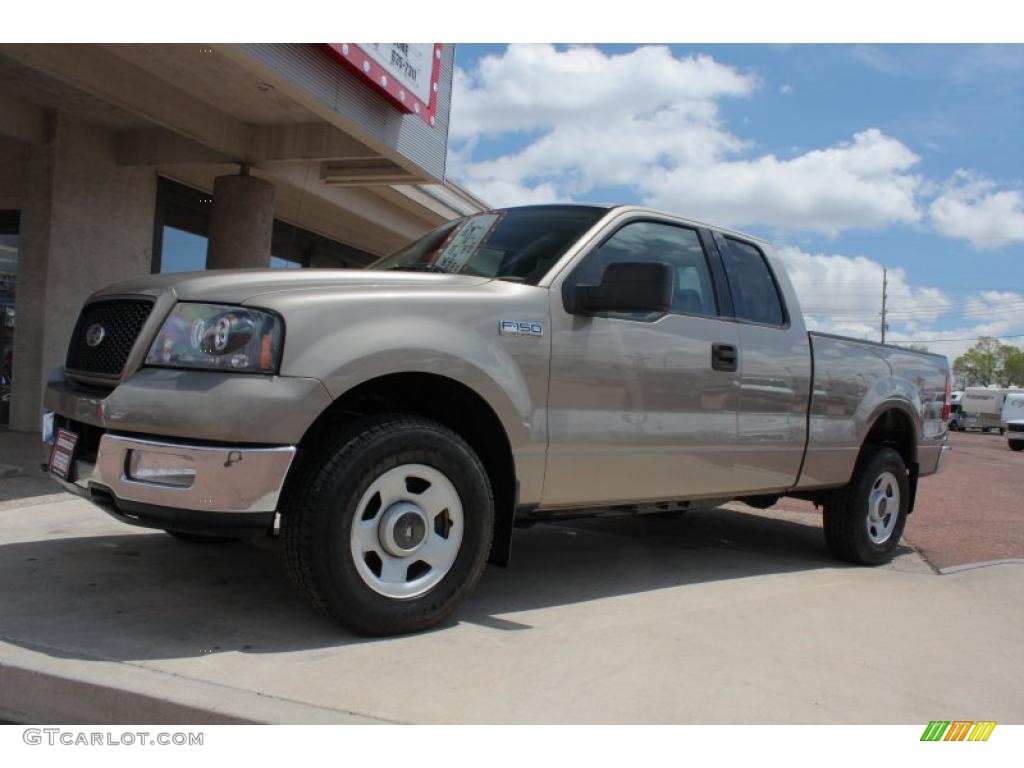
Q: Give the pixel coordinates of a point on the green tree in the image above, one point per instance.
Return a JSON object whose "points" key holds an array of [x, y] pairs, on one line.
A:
{"points": [[979, 365], [989, 362], [1013, 368]]}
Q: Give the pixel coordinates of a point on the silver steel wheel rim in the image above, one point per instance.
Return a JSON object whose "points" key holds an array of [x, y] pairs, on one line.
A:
{"points": [[883, 507], [407, 531]]}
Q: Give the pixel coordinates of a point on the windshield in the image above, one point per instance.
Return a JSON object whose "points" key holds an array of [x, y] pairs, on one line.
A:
{"points": [[519, 244]]}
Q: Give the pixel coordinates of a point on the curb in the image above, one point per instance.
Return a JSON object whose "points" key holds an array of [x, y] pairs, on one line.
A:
{"points": [[980, 564], [49, 687]]}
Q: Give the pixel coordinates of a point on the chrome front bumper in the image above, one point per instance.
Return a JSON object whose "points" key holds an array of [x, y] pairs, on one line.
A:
{"points": [[179, 476], [942, 456]]}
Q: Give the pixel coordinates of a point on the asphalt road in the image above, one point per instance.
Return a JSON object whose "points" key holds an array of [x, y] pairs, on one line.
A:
{"points": [[970, 512]]}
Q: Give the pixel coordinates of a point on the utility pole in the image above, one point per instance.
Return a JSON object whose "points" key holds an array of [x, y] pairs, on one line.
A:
{"points": [[885, 296]]}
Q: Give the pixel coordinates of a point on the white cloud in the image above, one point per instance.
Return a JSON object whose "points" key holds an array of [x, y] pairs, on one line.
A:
{"points": [[582, 119], [846, 289], [971, 208], [537, 86], [861, 184], [843, 294], [786, 89]]}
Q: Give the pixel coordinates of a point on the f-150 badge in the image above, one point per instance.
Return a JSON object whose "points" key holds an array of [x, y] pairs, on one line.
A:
{"points": [[520, 328]]}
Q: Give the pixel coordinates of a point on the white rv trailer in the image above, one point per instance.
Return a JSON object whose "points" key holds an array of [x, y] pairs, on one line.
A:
{"points": [[982, 408], [1012, 419]]}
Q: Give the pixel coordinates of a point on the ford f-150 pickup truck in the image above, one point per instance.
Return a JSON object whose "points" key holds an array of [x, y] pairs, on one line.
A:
{"points": [[394, 424]]}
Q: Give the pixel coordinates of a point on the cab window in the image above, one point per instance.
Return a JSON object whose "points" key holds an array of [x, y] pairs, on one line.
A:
{"points": [[755, 296], [649, 241]]}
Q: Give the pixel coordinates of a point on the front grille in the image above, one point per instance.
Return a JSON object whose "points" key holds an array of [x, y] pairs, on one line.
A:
{"points": [[1015, 427], [121, 321]]}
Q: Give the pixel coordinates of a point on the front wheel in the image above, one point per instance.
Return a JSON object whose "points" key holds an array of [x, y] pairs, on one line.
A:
{"points": [[864, 520], [388, 526], [1016, 445]]}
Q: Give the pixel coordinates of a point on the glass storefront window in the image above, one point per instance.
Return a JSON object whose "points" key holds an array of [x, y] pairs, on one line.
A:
{"points": [[183, 227], [182, 251]]}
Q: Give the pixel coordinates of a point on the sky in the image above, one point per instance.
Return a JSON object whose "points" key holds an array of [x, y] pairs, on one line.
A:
{"points": [[848, 158]]}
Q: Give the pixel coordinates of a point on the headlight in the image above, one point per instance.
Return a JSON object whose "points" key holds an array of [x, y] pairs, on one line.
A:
{"points": [[218, 337]]}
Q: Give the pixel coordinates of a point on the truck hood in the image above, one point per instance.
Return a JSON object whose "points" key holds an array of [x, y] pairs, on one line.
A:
{"points": [[235, 286]]}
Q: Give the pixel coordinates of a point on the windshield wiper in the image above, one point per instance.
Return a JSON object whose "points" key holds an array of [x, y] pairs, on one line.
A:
{"points": [[420, 267]]}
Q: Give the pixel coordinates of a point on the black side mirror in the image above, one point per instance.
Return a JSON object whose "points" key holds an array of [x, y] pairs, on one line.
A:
{"points": [[625, 287]]}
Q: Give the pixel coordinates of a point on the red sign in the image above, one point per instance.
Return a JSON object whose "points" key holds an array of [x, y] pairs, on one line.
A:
{"points": [[407, 74]]}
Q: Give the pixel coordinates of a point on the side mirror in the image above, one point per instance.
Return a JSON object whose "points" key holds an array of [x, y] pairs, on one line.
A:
{"points": [[625, 287]]}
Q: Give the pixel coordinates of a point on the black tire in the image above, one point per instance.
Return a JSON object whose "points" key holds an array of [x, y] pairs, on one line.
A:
{"points": [[199, 538], [846, 513], [1015, 445], [319, 507]]}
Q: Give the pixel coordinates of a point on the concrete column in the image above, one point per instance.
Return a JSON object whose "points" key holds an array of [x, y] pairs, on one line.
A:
{"points": [[241, 223], [86, 223], [30, 299]]}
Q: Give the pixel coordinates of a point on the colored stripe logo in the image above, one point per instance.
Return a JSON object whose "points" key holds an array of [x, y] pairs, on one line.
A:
{"points": [[958, 730]]}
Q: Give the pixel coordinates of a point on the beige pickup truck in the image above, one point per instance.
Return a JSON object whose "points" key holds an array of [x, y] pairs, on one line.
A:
{"points": [[396, 423]]}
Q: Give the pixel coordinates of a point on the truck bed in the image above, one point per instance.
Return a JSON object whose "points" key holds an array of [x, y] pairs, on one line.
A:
{"points": [[855, 381]]}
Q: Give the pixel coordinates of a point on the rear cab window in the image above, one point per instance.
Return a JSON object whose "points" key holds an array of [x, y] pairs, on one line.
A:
{"points": [[755, 294]]}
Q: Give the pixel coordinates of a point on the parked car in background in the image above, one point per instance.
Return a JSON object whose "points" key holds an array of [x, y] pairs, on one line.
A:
{"points": [[1013, 420], [983, 407]]}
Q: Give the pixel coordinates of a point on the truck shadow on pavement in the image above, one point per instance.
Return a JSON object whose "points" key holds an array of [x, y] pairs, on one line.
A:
{"points": [[146, 595]]}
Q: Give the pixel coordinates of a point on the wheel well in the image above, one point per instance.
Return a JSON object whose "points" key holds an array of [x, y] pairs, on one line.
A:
{"points": [[895, 429], [452, 404]]}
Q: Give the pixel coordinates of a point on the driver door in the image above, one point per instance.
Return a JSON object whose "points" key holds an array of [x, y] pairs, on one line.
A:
{"points": [[639, 407]]}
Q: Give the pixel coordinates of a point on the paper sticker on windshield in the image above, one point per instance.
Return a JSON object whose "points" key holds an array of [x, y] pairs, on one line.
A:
{"points": [[465, 241]]}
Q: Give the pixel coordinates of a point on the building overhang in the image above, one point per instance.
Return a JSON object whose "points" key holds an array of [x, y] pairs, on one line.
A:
{"points": [[290, 112]]}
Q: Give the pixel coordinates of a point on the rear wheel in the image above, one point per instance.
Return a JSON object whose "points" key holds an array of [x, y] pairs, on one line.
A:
{"points": [[388, 528], [864, 520], [1016, 445]]}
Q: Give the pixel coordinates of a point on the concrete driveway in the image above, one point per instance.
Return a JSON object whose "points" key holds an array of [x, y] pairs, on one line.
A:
{"points": [[724, 616]]}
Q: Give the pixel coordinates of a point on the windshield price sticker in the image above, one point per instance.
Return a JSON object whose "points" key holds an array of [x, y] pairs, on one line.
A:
{"points": [[465, 241]]}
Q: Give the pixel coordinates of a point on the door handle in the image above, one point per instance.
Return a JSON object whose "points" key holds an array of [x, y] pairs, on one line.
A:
{"points": [[724, 357]]}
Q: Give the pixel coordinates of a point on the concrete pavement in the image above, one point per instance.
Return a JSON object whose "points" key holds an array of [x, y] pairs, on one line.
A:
{"points": [[722, 616]]}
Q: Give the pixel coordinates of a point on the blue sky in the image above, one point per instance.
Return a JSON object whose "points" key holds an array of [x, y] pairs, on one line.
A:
{"points": [[849, 158]]}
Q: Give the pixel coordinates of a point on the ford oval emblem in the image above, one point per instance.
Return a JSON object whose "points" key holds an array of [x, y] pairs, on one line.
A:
{"points": [[95, 335]]}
